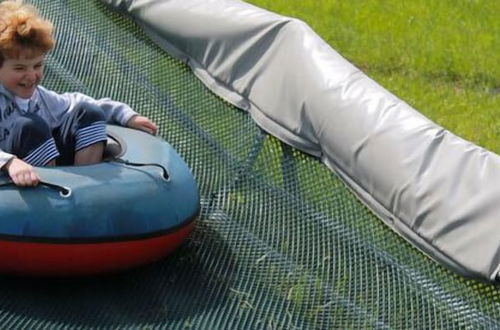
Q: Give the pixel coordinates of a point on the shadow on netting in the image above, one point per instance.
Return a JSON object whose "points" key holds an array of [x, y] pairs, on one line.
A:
{"points": [[172, 290]]}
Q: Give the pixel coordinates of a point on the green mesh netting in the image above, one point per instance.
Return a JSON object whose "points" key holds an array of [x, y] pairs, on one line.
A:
{"points": [[281, 244]]}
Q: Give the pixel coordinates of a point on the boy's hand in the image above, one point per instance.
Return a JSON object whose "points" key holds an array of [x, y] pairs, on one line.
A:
{"points": [[143, 123], [21, 173]]}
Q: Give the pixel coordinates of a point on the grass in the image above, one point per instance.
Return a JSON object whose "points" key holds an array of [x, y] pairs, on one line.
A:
{"points": [[441, 57]]}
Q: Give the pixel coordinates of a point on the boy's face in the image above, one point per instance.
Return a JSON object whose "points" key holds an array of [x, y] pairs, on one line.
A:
{"points": [[22, 75]]}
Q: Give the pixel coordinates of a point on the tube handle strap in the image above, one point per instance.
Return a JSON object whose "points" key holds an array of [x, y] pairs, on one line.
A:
{"points": [[63, 191], [165, 174]]}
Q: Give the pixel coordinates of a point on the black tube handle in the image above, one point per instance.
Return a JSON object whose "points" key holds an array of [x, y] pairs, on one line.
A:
{"points": [[165, 174], [63, 191]]}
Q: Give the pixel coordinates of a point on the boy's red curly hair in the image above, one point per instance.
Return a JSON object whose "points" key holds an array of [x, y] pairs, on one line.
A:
{"points": [[22, 30]]}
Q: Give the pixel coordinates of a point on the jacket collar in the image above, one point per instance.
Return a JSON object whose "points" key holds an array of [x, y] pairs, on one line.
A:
{"points": [[10, 97], [6, 93]]}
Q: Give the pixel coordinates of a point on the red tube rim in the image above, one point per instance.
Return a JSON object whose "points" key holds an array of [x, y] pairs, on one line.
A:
{"points": [[71, 259]]}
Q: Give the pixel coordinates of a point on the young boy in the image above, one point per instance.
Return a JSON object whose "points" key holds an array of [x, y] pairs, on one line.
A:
{"points": [[39, 127]]}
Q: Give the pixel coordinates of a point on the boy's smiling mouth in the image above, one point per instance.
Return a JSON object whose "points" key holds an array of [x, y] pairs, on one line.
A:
{"points": [[27, 85], [26, 89]]}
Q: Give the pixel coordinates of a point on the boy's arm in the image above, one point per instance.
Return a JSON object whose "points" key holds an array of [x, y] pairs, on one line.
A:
{"points": [[60, 104], [114, 111], [117, 112]]}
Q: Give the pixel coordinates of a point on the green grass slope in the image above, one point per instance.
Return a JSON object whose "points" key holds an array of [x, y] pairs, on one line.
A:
{"points": [[442, 57]]}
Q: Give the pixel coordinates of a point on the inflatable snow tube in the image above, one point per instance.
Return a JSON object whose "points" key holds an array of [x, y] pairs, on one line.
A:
{"points": [[134, 208]]}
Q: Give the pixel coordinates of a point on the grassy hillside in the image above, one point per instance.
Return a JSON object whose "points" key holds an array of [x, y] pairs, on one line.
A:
{"points": [[442, 57]]}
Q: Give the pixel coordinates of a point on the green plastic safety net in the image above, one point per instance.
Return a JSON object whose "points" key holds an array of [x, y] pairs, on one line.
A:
{"points": [[281, 242]]}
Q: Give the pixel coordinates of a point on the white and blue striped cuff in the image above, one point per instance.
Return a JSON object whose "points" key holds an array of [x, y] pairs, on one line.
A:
{"points": [[43, 154], [90, 135]]}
